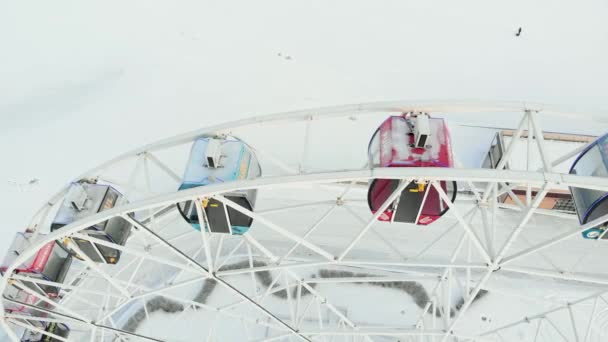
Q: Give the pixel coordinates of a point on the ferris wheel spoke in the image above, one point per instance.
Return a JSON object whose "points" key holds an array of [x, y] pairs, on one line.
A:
{"points": [[555, 240], [316, 225], [434, 296], [141, 254], [295, 206], [243, 296], [524, 220], [508, 189], [305, 310], [325, 302], [393, 196], [164, 167], [560, 160], [250, 240], [573, 322], [262, 309], [62, 286], [173, 239], [79, 281], [87, 260], [466, 226], [488, 231], [139, 161], [570, 276], [474, 190], [507, 155], [592, 317], [254, 284], [170, 287], [379, 235], [290, 300], [36, 329], [102, 311], [293, 294], [280, 230], [272, 289], [553, 264], [158, 294], [272, 267], [48, 301], [129, 335], [203, 223], [72, 317], [231, 253], [127, 187], [263, 154], [303, 166], [161, 212], [218, 251], [539, 211], [171, 247], [468, 217], [545, 314], [540, 140], [64, 317], [466, 305], [34, 318], [557, 329]]}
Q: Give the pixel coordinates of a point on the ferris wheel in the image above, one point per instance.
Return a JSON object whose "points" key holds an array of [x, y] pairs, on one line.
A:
{"points": [[351, 223]]}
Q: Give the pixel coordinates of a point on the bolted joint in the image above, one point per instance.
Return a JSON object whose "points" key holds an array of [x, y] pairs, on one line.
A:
{"points": [[494, 267]]}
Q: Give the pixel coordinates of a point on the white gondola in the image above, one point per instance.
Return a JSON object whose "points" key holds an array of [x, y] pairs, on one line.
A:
{"points": [[84, 199]]}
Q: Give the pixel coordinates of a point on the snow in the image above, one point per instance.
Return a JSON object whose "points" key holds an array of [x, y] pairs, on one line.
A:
{"points": [[81, 82]]}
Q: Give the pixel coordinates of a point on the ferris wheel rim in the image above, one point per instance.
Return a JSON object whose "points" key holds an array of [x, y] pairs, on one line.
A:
{"points": [[426, 173], [401, 106], [394, 173], [429, 106], [431, 174]]}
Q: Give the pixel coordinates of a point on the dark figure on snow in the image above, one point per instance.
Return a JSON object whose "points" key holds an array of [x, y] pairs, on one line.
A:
{"points": [[518, 33]]}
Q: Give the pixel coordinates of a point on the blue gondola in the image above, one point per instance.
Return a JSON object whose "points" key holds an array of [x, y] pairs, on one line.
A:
{"points": [[218, 160], [591, 204]]}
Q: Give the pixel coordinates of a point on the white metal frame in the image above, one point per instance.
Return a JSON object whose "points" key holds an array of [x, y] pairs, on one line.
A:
{"points": [[448, 273]]}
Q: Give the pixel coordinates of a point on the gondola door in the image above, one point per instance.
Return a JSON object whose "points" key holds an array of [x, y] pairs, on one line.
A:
{"points": [[411, 202]]}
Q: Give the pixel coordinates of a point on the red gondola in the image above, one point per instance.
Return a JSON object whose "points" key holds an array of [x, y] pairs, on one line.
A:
{"points": [[50, 263], [411, 140]]}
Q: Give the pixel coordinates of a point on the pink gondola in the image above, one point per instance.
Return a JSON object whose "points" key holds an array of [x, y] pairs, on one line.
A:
{"points": [[411, 140]]}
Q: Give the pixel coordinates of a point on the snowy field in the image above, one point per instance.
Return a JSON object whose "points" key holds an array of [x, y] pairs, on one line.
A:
{"points": [[83, 82]]}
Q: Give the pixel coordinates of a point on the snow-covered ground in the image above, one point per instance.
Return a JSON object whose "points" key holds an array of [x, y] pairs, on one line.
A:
{"points": [[81, 82]]}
